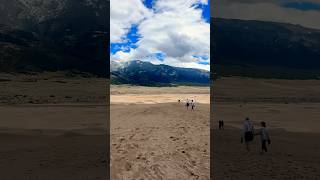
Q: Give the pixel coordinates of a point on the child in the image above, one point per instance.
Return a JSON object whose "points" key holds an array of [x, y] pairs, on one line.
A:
{"points": [[264, 137]]}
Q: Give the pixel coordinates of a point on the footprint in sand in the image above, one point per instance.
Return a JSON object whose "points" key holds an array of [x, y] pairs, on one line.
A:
{"points": [[174, 138], [131, 136], [127, 166], [156, 169]]}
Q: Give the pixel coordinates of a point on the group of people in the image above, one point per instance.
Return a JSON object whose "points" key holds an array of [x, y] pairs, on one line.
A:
{"points": [[190, 103], [249, 133]]}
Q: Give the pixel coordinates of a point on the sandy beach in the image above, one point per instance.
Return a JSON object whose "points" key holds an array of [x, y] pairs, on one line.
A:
{"points": [[53, 127], [291, 110], [155, 137]]}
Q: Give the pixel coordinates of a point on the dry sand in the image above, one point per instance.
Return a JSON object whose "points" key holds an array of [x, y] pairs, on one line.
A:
{"points": [[155, 137], [124, 94], [53, 127], [291, 110]]}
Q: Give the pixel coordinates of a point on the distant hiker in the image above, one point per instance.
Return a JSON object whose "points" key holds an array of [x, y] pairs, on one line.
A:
{"points": [[187, 104], [221, 125], [247, 133], [264, 134], [193, 105]]}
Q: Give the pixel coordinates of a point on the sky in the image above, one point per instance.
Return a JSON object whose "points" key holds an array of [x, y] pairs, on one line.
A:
{"points": [[300, 12], [172, 32]]}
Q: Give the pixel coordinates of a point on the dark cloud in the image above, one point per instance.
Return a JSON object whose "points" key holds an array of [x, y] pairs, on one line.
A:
{"points": [[305, 13]]}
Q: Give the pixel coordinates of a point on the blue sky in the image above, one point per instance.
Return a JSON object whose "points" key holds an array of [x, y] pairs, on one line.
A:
{"points": [[141, 40], [205, 8], [148, 3], [132, 38]]}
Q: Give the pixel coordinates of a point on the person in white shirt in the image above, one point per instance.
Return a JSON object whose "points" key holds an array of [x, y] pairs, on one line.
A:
{"points": [[247, 133], [264, 135], [187, 104], [193, 104]]}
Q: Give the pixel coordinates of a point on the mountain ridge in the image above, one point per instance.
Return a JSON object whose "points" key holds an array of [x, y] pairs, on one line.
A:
{"points": [[144, 73], [264, 49], [54, 35]]}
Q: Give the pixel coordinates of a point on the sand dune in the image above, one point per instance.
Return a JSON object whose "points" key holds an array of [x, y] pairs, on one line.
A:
{"points": [[143, 90]]}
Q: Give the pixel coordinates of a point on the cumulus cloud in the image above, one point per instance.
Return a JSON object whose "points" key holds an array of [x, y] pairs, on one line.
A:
{"points": [[175, 29], [267, 11], [123, 14]]}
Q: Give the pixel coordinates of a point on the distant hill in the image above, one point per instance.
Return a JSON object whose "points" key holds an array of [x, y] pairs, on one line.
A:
{"points": [[147, 74], [54, 35], [264, 49]]}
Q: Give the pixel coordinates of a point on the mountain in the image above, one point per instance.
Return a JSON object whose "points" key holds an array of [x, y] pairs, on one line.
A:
{"points": [[264, 49], [147, 74], [52, 35]]}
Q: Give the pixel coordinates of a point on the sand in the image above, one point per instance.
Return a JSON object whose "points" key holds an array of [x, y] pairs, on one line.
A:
{"points": [[290, 156], [291, 110], [157, 99], [69, 156], [155, 137], [53, 126], [126, 94]]}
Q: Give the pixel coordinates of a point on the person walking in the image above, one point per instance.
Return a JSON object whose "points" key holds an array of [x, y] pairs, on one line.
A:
{"points": [[264, 136], [193, 105], [187, 104], [221, 125], [247, 133]]}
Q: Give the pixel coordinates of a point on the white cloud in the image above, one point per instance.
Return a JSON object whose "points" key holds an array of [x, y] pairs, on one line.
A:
{"points": [[123, 14], [175, 28]]}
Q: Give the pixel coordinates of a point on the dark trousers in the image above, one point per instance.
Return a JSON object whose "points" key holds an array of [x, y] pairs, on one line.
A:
{"points": [[264, 145]]}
